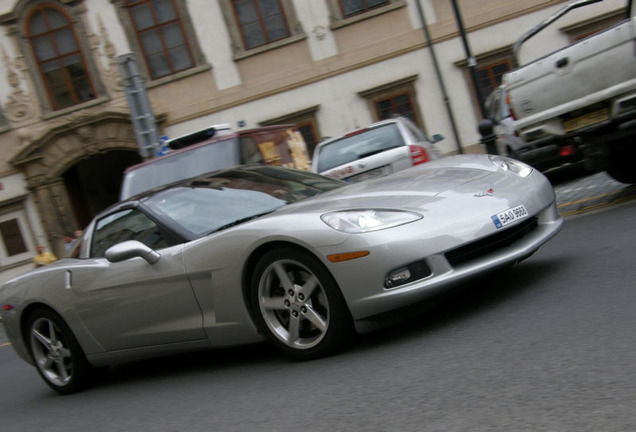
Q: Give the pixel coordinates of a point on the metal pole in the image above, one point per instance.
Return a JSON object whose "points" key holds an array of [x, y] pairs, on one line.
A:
{"points": [[472, 63], [439, 76], [141, 115]]}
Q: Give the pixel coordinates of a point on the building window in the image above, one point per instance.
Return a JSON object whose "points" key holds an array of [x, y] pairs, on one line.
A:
{"points": [[354, 7], [16, 243], [346, 12], [397, 104], [396, 98], [489, 76], [260, 21], [161, 37], [256, 26], [12, 238], [60, 62]]}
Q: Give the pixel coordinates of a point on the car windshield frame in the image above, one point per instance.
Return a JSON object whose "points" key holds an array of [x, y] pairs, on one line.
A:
{"points": [[227, 198]]}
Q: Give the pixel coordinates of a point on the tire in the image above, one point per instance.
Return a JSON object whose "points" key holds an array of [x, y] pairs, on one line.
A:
{"points": [[298, 306], [56, 353], [621, 159]]}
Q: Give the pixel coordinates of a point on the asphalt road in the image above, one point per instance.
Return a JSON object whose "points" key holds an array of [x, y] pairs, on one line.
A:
{"points": [[547, 345]]}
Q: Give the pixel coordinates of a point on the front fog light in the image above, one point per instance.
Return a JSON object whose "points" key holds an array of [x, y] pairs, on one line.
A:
{"points": [[398, 277], [410, 273]]}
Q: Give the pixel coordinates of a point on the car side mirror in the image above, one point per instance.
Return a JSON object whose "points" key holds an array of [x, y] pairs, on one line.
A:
{"points": [[437, 138], [131, 249]]}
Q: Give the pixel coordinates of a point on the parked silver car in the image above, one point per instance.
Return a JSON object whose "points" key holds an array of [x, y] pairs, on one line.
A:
{"points": [[377, 150], [247, 253]]}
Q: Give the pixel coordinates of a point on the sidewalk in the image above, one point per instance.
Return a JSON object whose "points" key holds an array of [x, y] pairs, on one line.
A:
{"points": [[581, 194]]}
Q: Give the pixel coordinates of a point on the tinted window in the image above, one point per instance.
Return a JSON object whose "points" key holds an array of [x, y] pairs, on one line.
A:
{"points": [[358, 146], [125, 225]]}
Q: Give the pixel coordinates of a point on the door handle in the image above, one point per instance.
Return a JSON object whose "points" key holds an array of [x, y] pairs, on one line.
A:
{"points": [[68, 280]]}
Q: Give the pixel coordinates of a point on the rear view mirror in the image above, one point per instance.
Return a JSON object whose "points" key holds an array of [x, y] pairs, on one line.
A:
{"points": [[131, 249]]}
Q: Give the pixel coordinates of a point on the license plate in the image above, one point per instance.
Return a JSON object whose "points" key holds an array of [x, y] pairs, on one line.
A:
{"points": [[586, 120], [374, 173], [509, 216]]}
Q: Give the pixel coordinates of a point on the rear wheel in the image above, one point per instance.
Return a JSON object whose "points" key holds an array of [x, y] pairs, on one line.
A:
{"points": [[298, 305], [56, 353], [621, 160]]}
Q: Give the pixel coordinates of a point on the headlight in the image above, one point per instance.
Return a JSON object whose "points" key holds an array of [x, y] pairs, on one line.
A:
{"points": [[361, 221], [507, 164]]}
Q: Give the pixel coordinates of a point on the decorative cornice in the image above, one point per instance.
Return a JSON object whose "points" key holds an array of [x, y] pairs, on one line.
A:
{"points": [[81, 124], [20, 106], [20, 7], [111, 75]]}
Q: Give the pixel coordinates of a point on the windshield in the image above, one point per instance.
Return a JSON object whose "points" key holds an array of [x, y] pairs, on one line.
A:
{"points": [[209, 204], [359, 145]]}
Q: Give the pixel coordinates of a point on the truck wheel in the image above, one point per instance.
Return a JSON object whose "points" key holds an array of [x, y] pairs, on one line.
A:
{"points": [[620, 161]]}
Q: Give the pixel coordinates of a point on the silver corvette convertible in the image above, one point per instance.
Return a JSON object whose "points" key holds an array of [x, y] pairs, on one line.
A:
{"points": [[255, 252]]}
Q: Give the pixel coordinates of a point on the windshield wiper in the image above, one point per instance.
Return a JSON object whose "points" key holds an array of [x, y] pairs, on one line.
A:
{"points": [[239, 221]]}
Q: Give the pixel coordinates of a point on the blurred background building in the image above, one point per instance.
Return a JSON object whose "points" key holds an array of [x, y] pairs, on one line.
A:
{"points": [[328, 66]]}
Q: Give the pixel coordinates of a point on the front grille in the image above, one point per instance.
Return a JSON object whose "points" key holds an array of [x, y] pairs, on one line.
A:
{"points": [[492, 243]]}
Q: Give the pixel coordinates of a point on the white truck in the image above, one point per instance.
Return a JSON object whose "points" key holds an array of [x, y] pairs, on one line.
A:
{"points": [[582, 96]]}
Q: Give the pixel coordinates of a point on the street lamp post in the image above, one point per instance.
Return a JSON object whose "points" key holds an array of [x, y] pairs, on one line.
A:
{"points": [[489, 139], [440, 80]]}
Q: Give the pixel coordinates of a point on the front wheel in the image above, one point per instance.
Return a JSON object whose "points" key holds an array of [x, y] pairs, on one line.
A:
{"points": [[298, 305], [56, 353]]}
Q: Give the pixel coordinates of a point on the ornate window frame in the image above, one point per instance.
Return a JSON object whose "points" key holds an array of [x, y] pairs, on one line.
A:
{"points": [[200, 63], [238, 48], [16, 22]]}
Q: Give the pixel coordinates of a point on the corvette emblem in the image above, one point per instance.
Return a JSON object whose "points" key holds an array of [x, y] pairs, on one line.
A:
{"points": [[489, 192]]}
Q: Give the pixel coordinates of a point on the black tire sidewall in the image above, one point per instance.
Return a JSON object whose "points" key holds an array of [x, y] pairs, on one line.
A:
{"points": [[82, 370], [340, 322]]}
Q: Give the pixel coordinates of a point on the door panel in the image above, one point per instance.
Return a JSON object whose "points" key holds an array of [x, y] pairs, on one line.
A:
{"points": [[135, 304]]}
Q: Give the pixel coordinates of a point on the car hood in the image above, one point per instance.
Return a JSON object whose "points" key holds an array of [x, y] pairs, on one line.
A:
{"points": [[412, 188]]}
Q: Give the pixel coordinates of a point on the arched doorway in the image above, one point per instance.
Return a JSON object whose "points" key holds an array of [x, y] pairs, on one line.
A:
{"points": [[74, 170], [93, 184]]}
